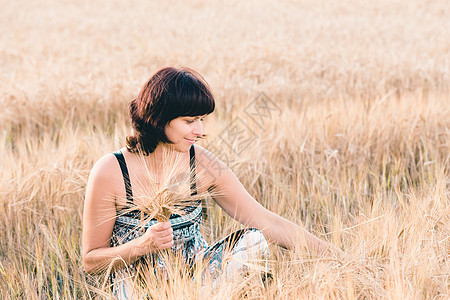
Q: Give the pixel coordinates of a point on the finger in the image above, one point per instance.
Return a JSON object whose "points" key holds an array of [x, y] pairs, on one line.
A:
{"points": [[166, 239], [166, 236], [167, 245], [162, 226], [164, 232]]}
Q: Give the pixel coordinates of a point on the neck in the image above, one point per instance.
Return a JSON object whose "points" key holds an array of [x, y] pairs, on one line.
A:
{"points": [[158, 154], [162, 153], [165, 162]]}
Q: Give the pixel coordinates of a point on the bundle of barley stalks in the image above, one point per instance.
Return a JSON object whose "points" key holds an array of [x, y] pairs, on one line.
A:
{"points": [[173, 194]]}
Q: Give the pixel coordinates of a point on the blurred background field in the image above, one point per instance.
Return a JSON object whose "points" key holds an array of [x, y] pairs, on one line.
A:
{"points": [[359, 153]]}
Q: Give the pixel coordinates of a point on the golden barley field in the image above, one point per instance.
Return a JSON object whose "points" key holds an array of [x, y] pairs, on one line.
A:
{"points": [[351, 137]]}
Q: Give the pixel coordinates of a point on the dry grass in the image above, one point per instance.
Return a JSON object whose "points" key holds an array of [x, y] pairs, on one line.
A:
{"points": [[359, 154]]}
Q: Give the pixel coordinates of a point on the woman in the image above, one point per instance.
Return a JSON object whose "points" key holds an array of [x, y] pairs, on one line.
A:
{"points": [[168, 114]]}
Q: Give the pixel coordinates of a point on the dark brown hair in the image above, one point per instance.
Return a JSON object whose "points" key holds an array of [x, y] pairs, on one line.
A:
{"points": [[167, 95]]}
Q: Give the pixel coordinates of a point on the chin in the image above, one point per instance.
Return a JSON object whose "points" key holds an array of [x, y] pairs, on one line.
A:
{"points": [[183, 148]]}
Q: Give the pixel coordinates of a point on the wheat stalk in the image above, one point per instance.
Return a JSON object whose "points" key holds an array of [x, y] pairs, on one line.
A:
{"points": [[172, 194]]}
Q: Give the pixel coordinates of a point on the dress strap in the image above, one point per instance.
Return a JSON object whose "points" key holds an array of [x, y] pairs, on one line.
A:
{"points": [[126, 176], [193, 177]]}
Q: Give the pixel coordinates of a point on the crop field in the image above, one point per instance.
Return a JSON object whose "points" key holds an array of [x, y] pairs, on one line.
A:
{"points": [[333, 114]]}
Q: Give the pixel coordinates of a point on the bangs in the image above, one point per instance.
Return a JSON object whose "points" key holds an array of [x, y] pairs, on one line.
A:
{"points": [[190, 96]]}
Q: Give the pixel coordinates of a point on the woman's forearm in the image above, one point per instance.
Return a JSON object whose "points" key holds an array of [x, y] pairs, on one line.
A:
{"points": [[157, 237], [292, 236], [101, 259]]}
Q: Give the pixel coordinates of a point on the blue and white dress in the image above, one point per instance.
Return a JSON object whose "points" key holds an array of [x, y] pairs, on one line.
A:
{"points": [[223, 259]]}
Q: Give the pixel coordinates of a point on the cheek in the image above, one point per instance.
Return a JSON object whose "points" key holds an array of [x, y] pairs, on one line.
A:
{"points": [[175, 133], [169, 134]]}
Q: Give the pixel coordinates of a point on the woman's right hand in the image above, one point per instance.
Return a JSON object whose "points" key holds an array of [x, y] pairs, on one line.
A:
{"points": [[157, 237]]}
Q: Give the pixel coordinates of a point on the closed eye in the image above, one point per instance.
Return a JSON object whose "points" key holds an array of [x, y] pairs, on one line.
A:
{"points": [[190, 121]]}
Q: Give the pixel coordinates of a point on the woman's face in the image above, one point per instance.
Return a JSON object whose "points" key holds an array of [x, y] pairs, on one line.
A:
{"points": [[184, 131]]}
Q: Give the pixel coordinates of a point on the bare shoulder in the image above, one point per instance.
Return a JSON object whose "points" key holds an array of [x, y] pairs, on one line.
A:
{"points": [[106, 174], [105, 167], [206, 159], [211, 168], [201, 153], [104, 182]]}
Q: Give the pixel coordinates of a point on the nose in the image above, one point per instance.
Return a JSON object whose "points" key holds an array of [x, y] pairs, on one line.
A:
{"points": [[197, 129]]}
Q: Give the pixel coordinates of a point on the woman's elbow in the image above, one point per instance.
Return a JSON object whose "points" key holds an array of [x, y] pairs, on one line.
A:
{"points": [[88, 266]]}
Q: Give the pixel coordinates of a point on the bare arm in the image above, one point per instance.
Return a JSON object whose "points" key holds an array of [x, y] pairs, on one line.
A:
{"points": [[99, 218], [240, 205]]}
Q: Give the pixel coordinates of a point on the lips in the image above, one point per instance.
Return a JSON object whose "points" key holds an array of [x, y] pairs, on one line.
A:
{"points": [[191, 141]]}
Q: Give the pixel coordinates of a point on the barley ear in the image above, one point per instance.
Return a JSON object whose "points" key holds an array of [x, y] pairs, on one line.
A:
{"points": [[163, 215]]}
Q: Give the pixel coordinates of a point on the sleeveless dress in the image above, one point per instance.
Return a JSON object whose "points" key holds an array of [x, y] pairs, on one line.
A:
{"points": [[189, 244]]}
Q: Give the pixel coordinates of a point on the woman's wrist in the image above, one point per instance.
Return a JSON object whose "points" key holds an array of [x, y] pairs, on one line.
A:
{"points": [[143, 245], [138, 248]]}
